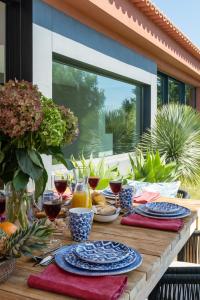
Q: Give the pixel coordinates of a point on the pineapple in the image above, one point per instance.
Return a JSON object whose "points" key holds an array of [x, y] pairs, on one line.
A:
{"points": [[25, 241]]}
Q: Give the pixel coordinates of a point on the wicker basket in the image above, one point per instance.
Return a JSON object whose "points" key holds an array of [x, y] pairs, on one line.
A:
{"points": [[6, 268]]}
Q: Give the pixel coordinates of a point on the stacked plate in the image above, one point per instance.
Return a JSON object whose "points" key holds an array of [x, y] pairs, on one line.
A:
{"points": [[163, 210], [108, 193], [98, 258]]}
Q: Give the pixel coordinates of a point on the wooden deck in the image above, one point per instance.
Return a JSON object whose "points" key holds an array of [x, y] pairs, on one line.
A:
{"points": [[158, 249]]}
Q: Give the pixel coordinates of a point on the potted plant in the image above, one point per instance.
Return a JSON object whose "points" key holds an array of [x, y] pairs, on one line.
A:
{"points": [[30, 125]]}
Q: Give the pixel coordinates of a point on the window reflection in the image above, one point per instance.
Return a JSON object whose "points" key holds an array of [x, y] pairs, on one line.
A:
{"points": [[2, 42], [174, 91], [190, 95], [108, 110]]}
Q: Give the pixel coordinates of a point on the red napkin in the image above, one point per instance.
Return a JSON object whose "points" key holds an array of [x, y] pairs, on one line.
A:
{"points": [[54, 279], [145, 222], [146, 197]]}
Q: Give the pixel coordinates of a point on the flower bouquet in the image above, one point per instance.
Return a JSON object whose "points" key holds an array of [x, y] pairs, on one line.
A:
{"points": [[30, 125]]}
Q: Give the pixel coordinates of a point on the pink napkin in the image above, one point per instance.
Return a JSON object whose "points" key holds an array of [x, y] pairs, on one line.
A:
{"points": [[146, 197], [145, 222], [54, 279]]}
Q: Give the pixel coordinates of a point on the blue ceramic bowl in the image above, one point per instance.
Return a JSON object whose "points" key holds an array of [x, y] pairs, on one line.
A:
{"points": [[80, 223]]}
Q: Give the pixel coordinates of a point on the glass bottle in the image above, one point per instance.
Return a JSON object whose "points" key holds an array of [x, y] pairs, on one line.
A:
{"points": [[81, 196]]}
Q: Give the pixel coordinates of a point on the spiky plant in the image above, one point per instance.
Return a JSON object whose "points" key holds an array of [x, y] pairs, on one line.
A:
{"points": [[176, 134], [25, 241], [152, 167]]}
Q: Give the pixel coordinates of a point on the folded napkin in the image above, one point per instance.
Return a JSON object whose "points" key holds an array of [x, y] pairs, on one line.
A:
{"points": [[54, 279], [146, 197], [145, 222]]}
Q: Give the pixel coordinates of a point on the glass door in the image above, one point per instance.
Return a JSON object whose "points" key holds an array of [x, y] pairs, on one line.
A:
{"points": [[2, 42]]}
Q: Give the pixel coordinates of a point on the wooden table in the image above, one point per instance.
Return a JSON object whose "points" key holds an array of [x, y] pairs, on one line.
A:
{"points": [[158, 249]]}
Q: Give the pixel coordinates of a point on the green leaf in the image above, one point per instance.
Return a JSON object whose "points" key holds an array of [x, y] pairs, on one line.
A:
{"points": [[103, 183], [20, 180], [35, 157], [66, 162], [40, 184], [27, 165]]}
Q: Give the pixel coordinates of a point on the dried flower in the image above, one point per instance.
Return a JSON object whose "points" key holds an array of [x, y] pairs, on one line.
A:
{"points": [[71, 125], [20, 108]]}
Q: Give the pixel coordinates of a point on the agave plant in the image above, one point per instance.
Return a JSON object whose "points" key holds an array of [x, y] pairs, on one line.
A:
{"points": [[176, 134], [152, 167]]}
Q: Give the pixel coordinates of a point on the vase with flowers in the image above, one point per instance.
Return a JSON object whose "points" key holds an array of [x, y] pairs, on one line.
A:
{"points": [[30, 125]]}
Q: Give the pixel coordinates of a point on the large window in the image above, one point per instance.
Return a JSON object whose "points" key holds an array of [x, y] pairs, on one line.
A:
{"points": [[109, 110], [2, 42], [170, 90]]}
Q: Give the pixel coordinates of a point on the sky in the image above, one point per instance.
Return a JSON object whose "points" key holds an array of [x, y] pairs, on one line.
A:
{"points": [[185, 14]]}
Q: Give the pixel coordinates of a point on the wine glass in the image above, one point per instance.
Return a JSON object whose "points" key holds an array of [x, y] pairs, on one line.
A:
{"points": [[52, 208], [60, 182], [93, 182], [2, 205], [115, 186]]}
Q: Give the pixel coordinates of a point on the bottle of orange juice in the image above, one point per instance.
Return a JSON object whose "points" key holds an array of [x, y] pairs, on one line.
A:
{"points": [[81, 196]]}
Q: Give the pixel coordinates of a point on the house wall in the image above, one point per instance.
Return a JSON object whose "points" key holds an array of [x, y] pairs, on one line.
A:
{"points": [[57, 32], [123, 21]]}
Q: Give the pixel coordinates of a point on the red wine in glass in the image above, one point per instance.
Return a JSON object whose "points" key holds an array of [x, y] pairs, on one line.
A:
{"points": [[115, 186], [52, 209], [93, 182], [60, 185]]}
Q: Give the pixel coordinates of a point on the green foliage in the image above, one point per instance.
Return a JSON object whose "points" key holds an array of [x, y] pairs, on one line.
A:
{"points": [[25, 241], [100, 169], [176, 134], [152, 167]]}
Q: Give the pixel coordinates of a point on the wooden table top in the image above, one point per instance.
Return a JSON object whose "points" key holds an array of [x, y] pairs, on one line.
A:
{"points": [[158, 249]]}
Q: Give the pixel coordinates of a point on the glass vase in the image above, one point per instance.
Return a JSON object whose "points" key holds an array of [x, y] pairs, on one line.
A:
{"points": [[17, 206]]}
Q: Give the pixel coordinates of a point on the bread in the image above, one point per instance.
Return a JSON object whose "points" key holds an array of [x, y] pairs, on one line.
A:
{"points": [[98, 199], [106, 210]]}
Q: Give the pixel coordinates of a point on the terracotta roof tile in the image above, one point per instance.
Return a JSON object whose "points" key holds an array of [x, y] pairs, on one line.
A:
{"points": [[153, 13]]}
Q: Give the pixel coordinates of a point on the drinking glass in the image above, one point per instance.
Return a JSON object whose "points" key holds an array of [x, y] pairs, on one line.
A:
{"points": [[60, 182], [115, 186], [2, 205], [93, 182], [52, 209]]}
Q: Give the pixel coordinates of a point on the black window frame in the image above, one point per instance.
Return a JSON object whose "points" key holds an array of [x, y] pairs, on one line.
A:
{"points": [[19, 40], [165, 90]]}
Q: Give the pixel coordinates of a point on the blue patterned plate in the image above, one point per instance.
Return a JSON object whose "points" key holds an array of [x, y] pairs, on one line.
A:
{"points": [[163, 207], [63, 264], [143, 210], [72, 259], [102, 252]]}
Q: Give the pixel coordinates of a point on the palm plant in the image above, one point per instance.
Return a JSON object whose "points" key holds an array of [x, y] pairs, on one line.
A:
{"points": [[176, 134]]}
